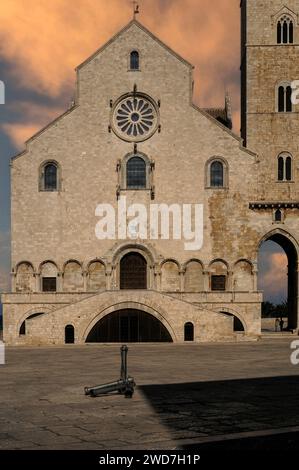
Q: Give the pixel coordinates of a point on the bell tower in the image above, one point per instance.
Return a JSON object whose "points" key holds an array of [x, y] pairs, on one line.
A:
{"points": [[269, 119]]}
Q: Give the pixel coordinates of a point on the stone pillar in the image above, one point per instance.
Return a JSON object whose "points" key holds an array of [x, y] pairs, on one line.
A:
{"points": [[182, 279], [157, 274], [255, 278], [38, 282], [206, 280], [109, 277], [85, 283], [112, 277], [13, 276], [59, 286], [230, 279]]}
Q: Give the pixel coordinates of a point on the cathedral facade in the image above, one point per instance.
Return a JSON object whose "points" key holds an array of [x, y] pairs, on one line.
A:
{"points": [[134, 138]]}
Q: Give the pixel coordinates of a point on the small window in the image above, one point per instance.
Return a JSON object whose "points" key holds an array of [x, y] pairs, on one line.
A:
{"points": [[69, 334], [189, 332], [217, 175], [280, 169], [284, 98], [50, 177], [278, 216], [289, 169], [49, 284], [218, 283], [134, 60], [285, 167], [281, 99], [136, 173]]}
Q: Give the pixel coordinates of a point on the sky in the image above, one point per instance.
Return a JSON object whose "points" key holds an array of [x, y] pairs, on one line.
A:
{"points": [[42, 42]]}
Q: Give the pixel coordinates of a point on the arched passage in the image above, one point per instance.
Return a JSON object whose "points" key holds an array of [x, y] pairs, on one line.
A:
{"points": [[129, 325], [238, 325], [274, 273]]}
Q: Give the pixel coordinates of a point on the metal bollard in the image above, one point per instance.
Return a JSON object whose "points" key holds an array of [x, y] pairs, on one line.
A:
{"points": [[125, 385]]}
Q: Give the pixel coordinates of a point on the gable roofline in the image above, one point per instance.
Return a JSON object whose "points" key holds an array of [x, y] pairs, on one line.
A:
{"points": [[285, 10], [226, 129], [124, 29]]}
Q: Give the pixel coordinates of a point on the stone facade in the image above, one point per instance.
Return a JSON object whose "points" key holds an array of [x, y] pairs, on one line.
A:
{"points": [[53, 232]]}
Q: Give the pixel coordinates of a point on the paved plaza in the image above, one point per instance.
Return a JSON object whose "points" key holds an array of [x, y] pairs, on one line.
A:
{"points": [[186, 395]]}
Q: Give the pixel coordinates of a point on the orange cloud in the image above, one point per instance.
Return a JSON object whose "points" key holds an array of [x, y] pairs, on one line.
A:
{"points": [[35, 117], [274, 280], [19, 133], [44, 42]]}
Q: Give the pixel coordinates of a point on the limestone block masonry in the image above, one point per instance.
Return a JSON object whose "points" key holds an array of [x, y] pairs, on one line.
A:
{"points": [[63, 276]]}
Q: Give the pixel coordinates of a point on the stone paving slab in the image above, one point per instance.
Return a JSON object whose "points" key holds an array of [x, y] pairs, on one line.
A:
{"points": [[186, 393]]}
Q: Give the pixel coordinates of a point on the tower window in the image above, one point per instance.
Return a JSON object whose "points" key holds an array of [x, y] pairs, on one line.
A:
{"points": [[285, 167], [285, 99], [134, 60], [285, 31], [278, 216]]}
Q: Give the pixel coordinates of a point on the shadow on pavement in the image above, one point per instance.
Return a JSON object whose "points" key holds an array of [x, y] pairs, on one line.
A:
{"points": [[202, 410]]}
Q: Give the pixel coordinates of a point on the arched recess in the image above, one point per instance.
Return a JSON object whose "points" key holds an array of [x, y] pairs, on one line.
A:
{"points": [[49, 274], [290, 246], [22, 329], [25, 280], [147, 252], [69, 334], [218, 275], [194, 278], [170, 276], [128, 325], [188, 332], [243, 276], [96, 276], [73, 277]]}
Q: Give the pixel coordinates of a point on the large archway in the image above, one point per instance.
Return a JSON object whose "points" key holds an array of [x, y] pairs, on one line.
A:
{"points": [[133, 271], [288, 249], [129, 326]]}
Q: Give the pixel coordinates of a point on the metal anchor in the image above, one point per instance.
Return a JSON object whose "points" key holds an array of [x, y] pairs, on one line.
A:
{"points": [[125, 385]]}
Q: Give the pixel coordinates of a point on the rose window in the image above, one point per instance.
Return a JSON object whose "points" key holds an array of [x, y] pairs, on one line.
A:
{"points": [[135, 118]]}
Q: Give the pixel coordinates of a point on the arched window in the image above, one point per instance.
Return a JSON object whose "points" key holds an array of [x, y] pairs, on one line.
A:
{"points": [[280, 169], [281, 107], [133, 272], [49, 177], [189, 332], [288, 169], [216, 175], [284, 98], [285, 30], [285, 167], [69, 334], [136, 173], [134, 60], [49, 277], [289, 107], [278, 216]]}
